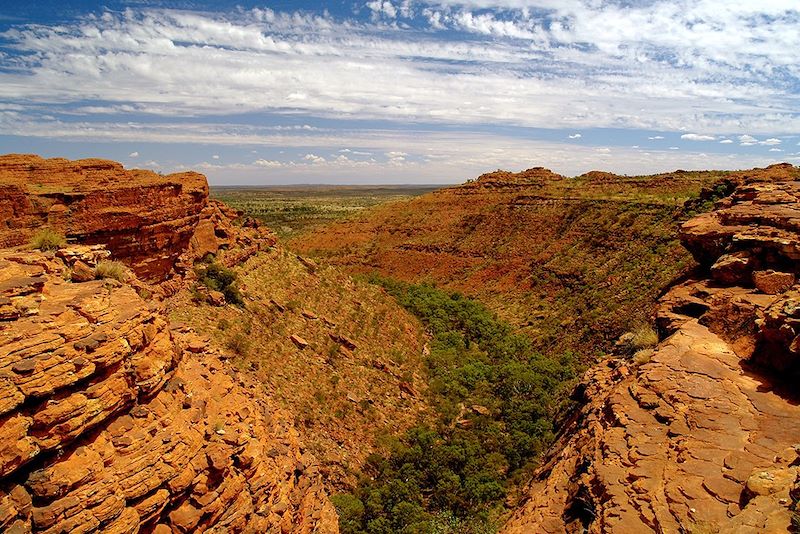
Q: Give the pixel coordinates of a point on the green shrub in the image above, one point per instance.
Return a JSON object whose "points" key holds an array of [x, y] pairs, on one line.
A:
{"points": [[111, 269], [217, 277], [456, 469], [47, 239], [239, 343]]}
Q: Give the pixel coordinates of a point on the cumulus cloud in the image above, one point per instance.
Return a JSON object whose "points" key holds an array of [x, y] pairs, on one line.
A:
{"points": [[747, 140], [215, 156], [575, 136], [314, 159], [133, 155], [726, 142], [267, 163], [697, 137]]}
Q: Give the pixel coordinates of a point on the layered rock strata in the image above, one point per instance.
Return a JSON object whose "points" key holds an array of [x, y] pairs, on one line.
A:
{"points": [[142, 217], [704, 436], [111, 418]]}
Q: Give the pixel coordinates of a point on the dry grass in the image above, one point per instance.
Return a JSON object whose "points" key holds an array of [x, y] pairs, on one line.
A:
{"points": [[111, 269], [47, 239], [643, 356], [644, 337]]}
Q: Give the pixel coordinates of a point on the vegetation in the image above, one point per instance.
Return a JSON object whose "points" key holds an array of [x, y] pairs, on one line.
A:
{"points": [[111, 269], [496, 399], [217, 277], [291, 210], [47, 239]]}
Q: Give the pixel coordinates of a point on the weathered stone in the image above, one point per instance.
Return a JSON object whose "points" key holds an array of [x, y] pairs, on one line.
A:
{"points": [[773, 282], [693, 438], [299, 341], [82, 272]]}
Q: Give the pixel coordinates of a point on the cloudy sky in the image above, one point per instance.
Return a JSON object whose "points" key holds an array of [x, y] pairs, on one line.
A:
{"points": [[402, 91]]}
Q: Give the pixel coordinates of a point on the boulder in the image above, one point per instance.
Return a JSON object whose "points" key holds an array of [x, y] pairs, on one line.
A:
{"points": [[82, 272], [773, 282]]}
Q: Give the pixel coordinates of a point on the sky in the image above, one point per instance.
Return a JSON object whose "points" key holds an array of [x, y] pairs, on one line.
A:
{"points": [[402, 91]]}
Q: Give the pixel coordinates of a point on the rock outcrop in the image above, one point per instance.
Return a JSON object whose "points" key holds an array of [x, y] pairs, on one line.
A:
{"points": [[704, 436], [143, 218], [111, 418]]}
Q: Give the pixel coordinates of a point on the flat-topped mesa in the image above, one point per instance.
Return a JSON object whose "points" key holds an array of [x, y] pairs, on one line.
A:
{"points": [[503, 179], [145, 219]]}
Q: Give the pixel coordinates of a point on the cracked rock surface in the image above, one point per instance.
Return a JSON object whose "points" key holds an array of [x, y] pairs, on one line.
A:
{"points": [[704, 436]]}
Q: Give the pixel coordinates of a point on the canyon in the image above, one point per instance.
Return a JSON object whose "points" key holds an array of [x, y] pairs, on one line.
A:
{"points": [[149, 402]]}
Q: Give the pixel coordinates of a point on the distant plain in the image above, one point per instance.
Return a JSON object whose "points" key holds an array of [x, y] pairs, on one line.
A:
{"points": [[292, 209]]}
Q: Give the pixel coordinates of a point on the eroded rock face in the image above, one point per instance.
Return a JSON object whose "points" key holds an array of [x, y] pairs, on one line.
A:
{"points": [[112, 421], [704, 435], [145, 219]]}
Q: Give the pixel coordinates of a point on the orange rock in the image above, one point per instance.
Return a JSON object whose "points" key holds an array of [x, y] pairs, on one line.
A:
{"points": [[773, 282], [693, 437], [299, 341]]}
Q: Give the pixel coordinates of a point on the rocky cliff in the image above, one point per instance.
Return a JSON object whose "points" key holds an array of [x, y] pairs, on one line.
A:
{"points": [[113, 419], [142, 217], [700, 434], [573, 262]]}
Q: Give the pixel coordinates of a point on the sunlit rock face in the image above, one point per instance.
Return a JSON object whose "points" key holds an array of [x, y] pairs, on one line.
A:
{"points": [[703, 433]]}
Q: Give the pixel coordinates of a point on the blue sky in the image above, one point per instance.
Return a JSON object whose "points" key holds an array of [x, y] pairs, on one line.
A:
{"points": [[402, 91]]}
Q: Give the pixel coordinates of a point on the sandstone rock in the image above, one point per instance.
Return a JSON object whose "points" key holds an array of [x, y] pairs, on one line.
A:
{"points": [[152, 220], [103, 420], [773, 282], [732, 269], [299, 341], [82, 272], [692, 437], [216, 298]]}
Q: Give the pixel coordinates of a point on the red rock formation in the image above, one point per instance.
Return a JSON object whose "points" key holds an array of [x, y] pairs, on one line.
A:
{"points": [[703, 436], [144, 218], [111, 420]]}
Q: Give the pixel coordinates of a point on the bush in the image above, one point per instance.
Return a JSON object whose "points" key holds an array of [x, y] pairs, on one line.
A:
{"points": [[217, 277], [239, 343], [644, 337], [460, 467], [643, 356], [111, 269], [47, 239]]}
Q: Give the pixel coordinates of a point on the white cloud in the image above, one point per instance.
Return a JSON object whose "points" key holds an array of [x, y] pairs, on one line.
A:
{"points": [[267, 163], [133, 155], [747, 140], [655, 137], [314, 159], [215, 156], [726, 142], [697, 137], [575, 136], [775, 150], [382, 8], [674, 148], [164, 62]]}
